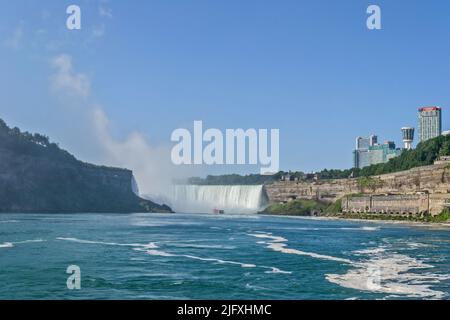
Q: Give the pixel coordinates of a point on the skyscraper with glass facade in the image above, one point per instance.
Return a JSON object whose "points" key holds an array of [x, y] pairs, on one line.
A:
{"points": [[430, 123], [369, 152]]}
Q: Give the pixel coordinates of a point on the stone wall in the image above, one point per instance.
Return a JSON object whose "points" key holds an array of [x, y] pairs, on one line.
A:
{"points": [[403, 190], [393, 204]]}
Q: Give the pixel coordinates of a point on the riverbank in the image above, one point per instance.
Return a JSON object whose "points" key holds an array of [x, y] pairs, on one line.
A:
{"points": [[444, 217], [307, 208]]}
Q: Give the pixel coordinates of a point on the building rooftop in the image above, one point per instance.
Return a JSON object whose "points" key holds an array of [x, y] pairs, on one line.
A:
{"points": [[430, 108]]}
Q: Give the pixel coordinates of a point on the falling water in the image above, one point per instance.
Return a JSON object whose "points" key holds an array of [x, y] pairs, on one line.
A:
{"points": [[231, 199]]}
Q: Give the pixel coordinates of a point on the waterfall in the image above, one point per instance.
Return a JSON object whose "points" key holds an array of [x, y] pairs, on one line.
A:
{"points": [[231, 199], [134, 186]]}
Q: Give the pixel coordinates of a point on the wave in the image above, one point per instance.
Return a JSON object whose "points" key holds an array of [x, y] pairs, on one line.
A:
{"points": [[276, 270], [153, 249], [143, 246], [255, 288], [390, 272], [243, 265], [366, 228], [277, 243], [383, 271], [29, 241], [417, 245], [167, 254], [150, 222], [6, 245], [202, 246], [159, 253], [9, 221], [12, 244]]}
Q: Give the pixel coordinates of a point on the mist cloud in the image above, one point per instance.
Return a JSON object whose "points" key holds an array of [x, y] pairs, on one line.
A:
{"points": [[65, 80], [150, 164]]}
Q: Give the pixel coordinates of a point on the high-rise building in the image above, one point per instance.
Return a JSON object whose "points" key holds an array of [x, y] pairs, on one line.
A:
{"points": [[430, 123], [360, 155], [363, 143], [369, 152], [408, 137]]}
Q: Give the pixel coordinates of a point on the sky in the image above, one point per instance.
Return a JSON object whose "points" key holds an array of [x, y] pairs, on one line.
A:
{"points": [[114, 91]]}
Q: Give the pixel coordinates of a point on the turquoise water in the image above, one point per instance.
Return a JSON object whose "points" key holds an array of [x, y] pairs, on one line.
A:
{"points": [[180, 256]]}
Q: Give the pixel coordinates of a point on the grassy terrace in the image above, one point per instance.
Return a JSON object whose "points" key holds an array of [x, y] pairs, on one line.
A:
{"points": [[310, 207]]}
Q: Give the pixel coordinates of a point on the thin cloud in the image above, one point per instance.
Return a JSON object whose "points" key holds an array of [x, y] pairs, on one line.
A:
{"points": [[14, 41], [67, 80], [105, 12], [98, 31]]}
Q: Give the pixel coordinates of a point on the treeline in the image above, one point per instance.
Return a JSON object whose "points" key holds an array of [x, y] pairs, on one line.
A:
{"points": [[425, 154], [234, 179], [25, 143]]}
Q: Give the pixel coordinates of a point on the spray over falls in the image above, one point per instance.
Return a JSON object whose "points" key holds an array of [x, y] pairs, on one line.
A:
{"points": [[229, 198]]}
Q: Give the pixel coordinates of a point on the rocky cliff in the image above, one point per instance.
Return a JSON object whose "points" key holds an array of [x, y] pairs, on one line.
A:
{"points": [[38, 176], [396, 192]]}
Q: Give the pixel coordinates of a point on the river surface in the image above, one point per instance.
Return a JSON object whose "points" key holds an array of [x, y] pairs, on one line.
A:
{"points": [[195, 256]]}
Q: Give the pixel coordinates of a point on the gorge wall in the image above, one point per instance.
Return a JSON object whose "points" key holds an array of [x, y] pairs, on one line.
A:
{"points": [[419, 190], [36, 176]]}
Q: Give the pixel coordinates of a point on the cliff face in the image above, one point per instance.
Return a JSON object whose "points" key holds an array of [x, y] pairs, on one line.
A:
{"points": [[396, 192], [37, 176]]}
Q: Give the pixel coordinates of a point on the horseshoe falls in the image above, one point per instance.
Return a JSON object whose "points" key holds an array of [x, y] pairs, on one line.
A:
{"points": [[230, 198]]}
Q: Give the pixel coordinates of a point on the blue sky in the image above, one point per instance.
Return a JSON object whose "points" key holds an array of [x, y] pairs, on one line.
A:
{"points": [[310, 68]]}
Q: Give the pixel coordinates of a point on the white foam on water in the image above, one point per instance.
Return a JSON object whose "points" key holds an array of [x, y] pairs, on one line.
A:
{"points": [[29, 241], [167, 254], [216, 260], [417, 245], [202, 246], [12, 244], [277, 243], [384, 271], [159, 253], [243, 265], [139, 245], [392, 273], [281, 247], [370, 251], [151, 222], [303, 228], [9, 221], [255, 288], [276, 270], [365, 228], [370, 228], [6, 245], [151, 249], [268, 236]]}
